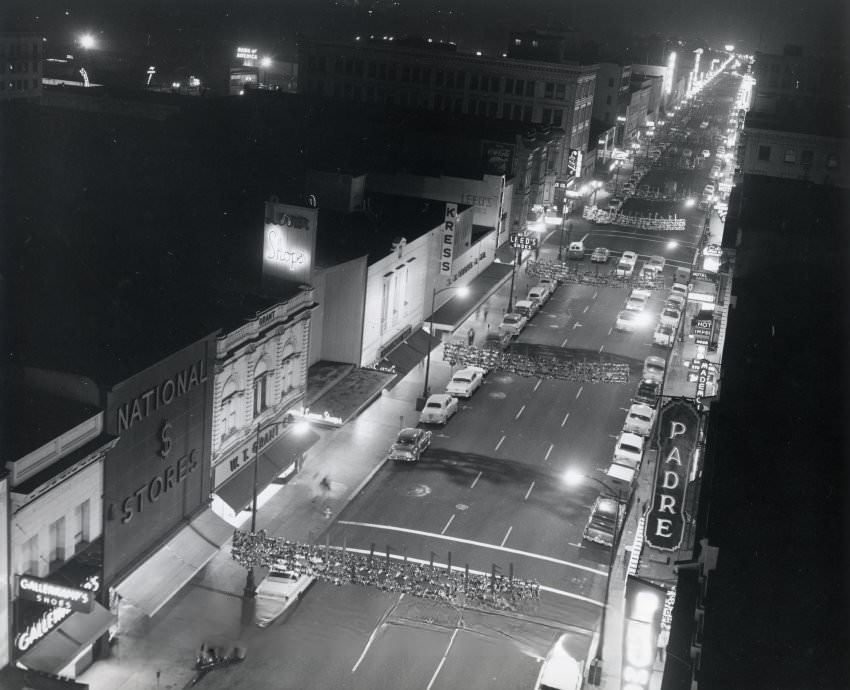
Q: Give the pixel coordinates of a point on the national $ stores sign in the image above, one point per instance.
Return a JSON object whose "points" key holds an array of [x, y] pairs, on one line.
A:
{"points": [[678, 428]]}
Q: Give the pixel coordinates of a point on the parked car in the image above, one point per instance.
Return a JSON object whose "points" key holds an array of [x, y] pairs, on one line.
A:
{"points": [[628, 320], [409, 445], [549, 283], [655, 264], [497, 340], [528, 308], [576, 250], [600, 255], [560, 671], [706, 153], [626, 264], [605, 520], [664, 335], [539, 294], [636, 301], [513, 323], [465, 382], [670, 317], [628, 450], [639, 419], [653, 368], [675, 300], [438, 409], [647, 392], [278, 591], [679, 289]]}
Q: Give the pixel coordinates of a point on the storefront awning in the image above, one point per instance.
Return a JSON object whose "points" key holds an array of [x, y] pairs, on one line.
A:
{"points": [[61, 646], [457, 309], [409, 352], [14, 678], [238, 491], [162, 575]]}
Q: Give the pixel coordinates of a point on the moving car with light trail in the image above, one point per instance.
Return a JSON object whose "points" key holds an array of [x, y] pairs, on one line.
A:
{"points": [[628, 321]]}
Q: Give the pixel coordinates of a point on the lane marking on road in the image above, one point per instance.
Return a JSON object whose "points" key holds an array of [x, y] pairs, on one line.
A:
{"points": [[584, 311], [610, 330], [576, 325], [601, 347], [521, 410], [478, 476], [507, 534], [472, 542], [564, 344], [372, 636], [580, 389], [580, 546], [500, 442], [566, 417], [596, 294], [443, 660], [443, 531], [537, 385], [548, 452], [528, 493]]}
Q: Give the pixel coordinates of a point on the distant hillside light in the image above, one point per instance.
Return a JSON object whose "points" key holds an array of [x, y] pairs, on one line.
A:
{"points": [[87, 41]]}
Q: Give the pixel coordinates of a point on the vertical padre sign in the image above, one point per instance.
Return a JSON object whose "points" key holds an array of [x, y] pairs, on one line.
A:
{"points": [[447, 239], [289, 243], [678, 425]]}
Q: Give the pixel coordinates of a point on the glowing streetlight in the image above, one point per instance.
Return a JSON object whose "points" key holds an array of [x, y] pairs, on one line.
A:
{"points": [[265, 62], [672, 244], [87, 41], [689, 202]]}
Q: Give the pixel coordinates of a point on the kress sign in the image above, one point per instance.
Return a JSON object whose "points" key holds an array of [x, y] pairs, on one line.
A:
{"points": [[678, 427]]}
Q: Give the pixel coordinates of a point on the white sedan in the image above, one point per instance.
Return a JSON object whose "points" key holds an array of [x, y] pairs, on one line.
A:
{"points": [[628, 320], [465, 382], [629, 449], [278, 592], [636, 302], [670, 317], [626, 264], [639, 419], [513, 323]]}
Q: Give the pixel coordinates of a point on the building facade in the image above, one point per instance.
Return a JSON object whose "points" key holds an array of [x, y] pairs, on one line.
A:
{"points": [[260, 378], [612, 92], [436, 77], [640, 95], [55, 543], [20, 66]]}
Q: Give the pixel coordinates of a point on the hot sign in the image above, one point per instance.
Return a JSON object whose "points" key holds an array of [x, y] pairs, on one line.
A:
{"points": [[678, 426]]}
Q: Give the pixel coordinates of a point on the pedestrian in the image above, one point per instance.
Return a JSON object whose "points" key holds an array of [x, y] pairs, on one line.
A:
{"points": [[470, 337], [325, 483], [486, 311]]}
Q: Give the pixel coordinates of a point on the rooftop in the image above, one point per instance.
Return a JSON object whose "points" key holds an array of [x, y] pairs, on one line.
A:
{"points": [[803, 116]]}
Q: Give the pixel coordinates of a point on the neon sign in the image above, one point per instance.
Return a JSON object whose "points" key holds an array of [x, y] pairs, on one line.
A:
{"points": [[52, 594], [278, 251], [448, 239], [50, 619]]}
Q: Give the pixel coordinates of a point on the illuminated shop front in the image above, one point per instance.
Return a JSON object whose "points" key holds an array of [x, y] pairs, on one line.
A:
{"points": [[158, 529]]}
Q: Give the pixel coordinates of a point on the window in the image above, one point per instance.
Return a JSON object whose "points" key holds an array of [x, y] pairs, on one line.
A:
{"points": [[405, 73], [519, 87], [557, 117], [506, 111], [549, 91], [391, 72], [764, 153], [460, 79], [494, 84], [529, 89], [509, 85], [790, 156], [82, 535], [526, 114], [382, 71], [349, 66], [228, 405], [373, 69], [261, 388], [358, 67], [560, 91], [607, 100], [832, 160], [439, 78], [415, 74], [385, 302], [611, 82], [29, 555], [491, 109], [426, 75], [438, 101], [547, 116], [473, 82], [57, 541], [806, 158]]}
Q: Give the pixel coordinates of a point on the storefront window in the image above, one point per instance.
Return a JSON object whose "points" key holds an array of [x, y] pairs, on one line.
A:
{"points": [[57, 541]]}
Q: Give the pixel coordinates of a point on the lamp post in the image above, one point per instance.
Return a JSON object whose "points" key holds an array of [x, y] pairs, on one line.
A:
{"points": [[250, 584], [596, 184], [575, 477], [463, 290]]}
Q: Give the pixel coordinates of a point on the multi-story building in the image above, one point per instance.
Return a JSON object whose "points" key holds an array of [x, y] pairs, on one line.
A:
{"points": [[20, 66], [56, 463], [433, 76], [637, 108], [794, 74], [612, 93], [800, 140]]}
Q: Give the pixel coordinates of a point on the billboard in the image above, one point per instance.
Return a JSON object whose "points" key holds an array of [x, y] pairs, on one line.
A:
{"points": [[498, 158], [574, 163], [677, 430], [447, 239], [289, 244], [645, 603], [158, 474]]}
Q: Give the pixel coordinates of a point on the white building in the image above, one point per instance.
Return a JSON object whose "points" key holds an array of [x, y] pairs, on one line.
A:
{"points": [[260, 379]]}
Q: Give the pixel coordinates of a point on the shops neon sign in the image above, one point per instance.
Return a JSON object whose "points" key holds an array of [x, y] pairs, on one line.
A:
{"points": [[50, 619]]}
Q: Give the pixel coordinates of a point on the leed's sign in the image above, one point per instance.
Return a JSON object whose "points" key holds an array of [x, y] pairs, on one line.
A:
{"points": [[678, 427]]}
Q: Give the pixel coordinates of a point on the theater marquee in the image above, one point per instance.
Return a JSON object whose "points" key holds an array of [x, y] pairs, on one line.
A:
{"points": [[678, 428]]}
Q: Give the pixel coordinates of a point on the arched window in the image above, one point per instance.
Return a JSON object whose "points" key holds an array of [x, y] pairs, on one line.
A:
{"points": [[228, 404], [261, 387], [287, 366]]}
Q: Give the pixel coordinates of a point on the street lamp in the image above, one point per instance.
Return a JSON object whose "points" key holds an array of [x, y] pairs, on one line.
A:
{"points": [[462, 291], [87, 41], [298, 428], [596, 184], [575, 478]]}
